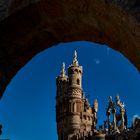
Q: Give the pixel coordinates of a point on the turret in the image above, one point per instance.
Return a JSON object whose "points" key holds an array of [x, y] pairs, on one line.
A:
{"points": [[74, 95], [75, 78], [61, 82], [73, 112], [61, 105]]}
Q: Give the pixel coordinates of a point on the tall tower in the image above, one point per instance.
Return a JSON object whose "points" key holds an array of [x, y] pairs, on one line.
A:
{"points": [[75, 95], [74, 115], [61, 102]]}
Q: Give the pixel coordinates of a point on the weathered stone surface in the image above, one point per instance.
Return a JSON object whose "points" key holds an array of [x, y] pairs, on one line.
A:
{"points": [[40, 25], [7, 7]]}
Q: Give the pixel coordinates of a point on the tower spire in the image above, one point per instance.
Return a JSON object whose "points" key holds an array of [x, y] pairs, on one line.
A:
{"points": [[75, 61], [63, 72]]}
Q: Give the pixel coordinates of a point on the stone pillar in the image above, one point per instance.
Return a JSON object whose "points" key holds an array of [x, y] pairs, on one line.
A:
{"points": [[122, 111], [114, 119], [108, 121], [94, 111]]}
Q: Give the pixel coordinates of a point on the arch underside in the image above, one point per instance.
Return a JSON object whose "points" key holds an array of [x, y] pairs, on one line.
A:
{"points": [[40, 25]]}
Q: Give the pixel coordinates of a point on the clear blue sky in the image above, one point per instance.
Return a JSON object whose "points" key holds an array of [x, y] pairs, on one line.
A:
{"points": [[27, 109]]}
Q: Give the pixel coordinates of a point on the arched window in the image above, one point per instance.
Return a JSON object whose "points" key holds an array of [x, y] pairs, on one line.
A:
{"points": [[78, 82], [70, 71], [76, 70]]}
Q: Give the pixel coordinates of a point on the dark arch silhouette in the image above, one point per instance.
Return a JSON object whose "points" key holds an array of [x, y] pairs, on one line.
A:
{"points": [[40, 25]]}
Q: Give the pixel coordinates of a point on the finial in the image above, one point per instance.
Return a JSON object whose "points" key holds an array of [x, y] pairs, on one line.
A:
{"points": [[75, 54], [63, 72], [75, 62], [117, 97], [95, 105], [110, 98]]}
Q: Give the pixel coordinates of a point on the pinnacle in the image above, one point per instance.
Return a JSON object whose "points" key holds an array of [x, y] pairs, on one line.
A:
{"points": [[75, 61], [63, 72]]}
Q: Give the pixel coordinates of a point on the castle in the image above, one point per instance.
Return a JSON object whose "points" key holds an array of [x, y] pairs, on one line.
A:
{"points": [[76, 119]]}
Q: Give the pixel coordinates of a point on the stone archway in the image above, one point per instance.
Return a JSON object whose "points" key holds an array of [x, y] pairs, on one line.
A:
{"points": [[41, 25]]}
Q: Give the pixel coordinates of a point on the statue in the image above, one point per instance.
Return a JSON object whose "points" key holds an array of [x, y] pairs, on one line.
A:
{"points": [[86, 105], [111, 109], [119, 103], [122, 112]]}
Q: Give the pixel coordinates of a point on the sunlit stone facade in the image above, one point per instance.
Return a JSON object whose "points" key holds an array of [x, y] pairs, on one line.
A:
{"points": [[76, 119]]}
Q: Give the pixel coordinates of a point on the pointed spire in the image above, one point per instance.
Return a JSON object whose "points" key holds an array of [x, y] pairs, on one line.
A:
{"points": [[75, 61], [63, 72], [95, 105]]}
